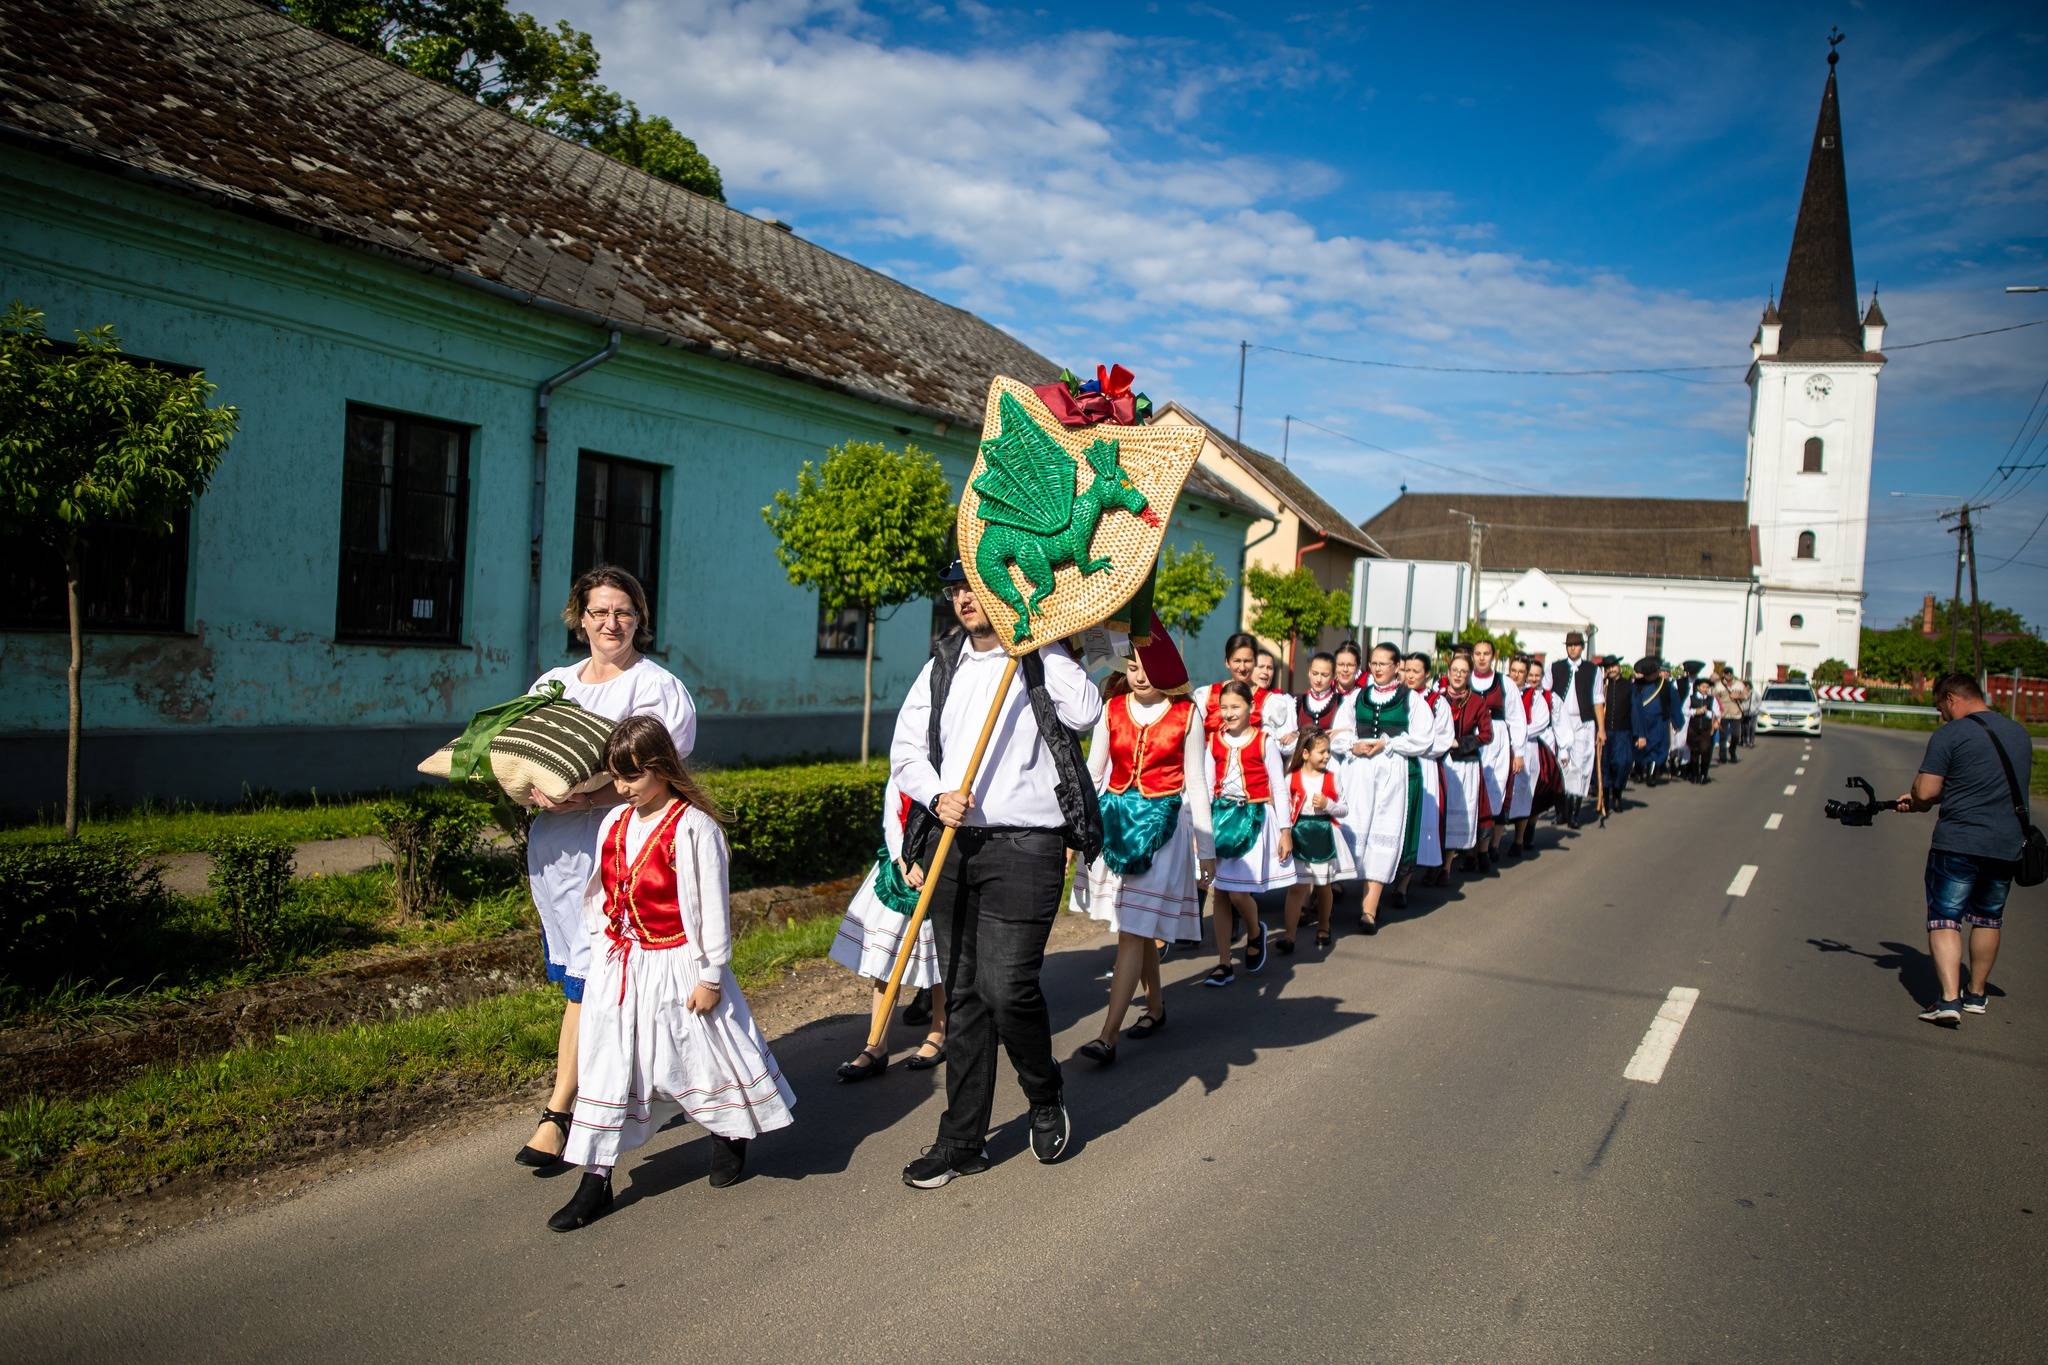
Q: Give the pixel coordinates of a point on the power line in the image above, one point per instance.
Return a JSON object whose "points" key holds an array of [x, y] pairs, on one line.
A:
{"points": [[1403, 455]]}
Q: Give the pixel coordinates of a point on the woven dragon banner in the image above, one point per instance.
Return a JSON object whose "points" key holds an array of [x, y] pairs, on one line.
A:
{"points": [[1059, 526]]}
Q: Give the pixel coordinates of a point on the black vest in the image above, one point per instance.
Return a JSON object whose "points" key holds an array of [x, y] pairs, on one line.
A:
{"points": [[1581, 683], [1076, 792]]}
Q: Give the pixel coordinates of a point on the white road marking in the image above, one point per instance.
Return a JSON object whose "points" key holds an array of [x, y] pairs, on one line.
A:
{"points": [[1791, 789], [1655, 1050], [1743, 877], [1799, 772], [1777, 819]]}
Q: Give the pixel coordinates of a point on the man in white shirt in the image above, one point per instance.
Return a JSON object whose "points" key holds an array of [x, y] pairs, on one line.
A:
{"points": [[1579, 695], [999, 891]]}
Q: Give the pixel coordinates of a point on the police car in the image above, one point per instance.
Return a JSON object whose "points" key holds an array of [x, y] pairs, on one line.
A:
{"points": [[1788, 706]]}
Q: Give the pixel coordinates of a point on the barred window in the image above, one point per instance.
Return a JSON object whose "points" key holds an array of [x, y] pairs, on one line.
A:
{"points": [[1653, 638], [129, 579], [404, 528], [618, 521]]}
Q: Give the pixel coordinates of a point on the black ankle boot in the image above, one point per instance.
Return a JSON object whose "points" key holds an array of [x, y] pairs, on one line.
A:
{"points": [[728, 1161], [592, 1201]]}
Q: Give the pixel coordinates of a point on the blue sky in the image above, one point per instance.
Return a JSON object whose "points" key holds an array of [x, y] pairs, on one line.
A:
{"points": [[1151, 183]]}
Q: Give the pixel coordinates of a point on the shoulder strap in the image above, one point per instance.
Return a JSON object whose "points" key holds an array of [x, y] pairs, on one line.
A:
{"points": [[2012, 781]]}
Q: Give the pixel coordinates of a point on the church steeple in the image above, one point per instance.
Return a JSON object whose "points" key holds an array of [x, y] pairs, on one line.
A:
{"points": [[1818, 301]]}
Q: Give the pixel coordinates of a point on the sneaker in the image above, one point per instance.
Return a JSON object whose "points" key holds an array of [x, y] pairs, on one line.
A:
{"points": [[941, 1164], [1255, 958], [1946, 1013], [1050, 1129], [1219, 976], [1973, 1004]]}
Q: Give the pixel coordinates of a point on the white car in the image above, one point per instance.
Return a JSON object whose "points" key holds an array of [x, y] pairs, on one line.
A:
{"points": [[1788, 706]]}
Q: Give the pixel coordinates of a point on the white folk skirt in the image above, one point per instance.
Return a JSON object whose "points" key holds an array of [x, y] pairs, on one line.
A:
{"points": [[561, 853], [1464, 786], [871, 934], [1524, 800], [1163, 902], [1575, 754], [1495, 768], [1429, 843], [1377, 796], [1261, 868], [649, 1047]]}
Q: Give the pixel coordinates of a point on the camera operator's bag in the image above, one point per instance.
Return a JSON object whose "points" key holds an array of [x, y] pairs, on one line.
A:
{"points": [[2033, 865]]}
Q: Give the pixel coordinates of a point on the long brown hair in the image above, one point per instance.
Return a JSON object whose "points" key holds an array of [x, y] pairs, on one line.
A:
{"points": [[641, 744]]}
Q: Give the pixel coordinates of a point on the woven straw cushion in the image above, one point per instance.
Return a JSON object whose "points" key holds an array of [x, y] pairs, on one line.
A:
{"points": [[556, 750]]}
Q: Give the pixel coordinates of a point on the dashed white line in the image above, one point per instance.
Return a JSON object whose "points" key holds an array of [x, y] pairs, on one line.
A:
{"points": [[1655, 1050], [1791, 789], [1799, 772], [1777, 819], [1743, 877]]}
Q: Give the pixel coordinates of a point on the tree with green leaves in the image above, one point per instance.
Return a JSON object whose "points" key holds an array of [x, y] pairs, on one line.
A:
{"points": [[1898, 656], [1997, 620], [868, 529], [1291, 606], [507, 59], [1506, 644], [1831, 671], [1188, 588], [90, 439], [2028, 654]]}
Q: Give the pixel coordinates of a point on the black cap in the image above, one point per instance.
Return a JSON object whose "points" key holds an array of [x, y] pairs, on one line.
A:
{"points": [[1646, 664], [953, 574]]}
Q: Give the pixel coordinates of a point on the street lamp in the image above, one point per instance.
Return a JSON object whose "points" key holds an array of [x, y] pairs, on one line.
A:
{"points": [[2027, 289]]}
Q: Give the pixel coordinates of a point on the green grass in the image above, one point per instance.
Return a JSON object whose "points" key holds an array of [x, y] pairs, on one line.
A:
{"points": [[1921, 723], [250, 1104], [763, 954], [185, 828]]}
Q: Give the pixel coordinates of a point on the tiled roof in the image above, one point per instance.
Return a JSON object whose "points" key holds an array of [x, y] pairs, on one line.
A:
{"points": [[1639, 537], [1288, 487], [235, 103], [1202, 484]]}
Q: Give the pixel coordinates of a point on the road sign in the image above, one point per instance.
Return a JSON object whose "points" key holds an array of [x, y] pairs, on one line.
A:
{"points": [[1407, 601], [1834, 692]]}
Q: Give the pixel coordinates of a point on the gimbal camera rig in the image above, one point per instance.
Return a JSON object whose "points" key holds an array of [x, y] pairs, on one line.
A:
{"points": [[1858, 812]]}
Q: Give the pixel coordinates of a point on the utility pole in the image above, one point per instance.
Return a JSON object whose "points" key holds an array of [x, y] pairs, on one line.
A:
{"points": [[1242, 348], [1969, 535], [1286, 435], [1474, 526]]}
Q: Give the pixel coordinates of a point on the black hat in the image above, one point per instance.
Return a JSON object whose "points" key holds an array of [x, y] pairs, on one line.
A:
{"points": [[953, 574], [1646, 664], [1610, 661]]}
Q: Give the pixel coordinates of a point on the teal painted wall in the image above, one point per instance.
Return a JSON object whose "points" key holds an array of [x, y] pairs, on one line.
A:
{"points": [[292, 330]]}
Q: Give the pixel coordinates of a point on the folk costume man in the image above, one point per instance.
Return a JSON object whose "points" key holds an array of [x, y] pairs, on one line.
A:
{"points": [[999, 891], [1580, 694], [1618, 755], [1502, 758], [1653, 718]]}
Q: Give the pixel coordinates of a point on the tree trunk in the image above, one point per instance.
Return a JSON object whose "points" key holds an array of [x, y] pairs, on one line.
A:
{"points": [[71, 682], [867, 687]]}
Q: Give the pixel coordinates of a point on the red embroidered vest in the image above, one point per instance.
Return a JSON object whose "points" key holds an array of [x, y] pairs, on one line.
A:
{"points": [[1257, 787], [1212, 714], [1305, 719], [1152, 756], [1300, 797], [642, 894]]}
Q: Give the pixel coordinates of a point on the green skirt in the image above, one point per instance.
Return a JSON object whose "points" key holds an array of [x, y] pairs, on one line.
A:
{"points": [[1134, 828], [890, 888], [1315, 839], [1238, 824]]}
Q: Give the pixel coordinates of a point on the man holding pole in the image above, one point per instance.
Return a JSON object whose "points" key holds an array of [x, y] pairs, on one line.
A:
{"points": [[1028, 798]]}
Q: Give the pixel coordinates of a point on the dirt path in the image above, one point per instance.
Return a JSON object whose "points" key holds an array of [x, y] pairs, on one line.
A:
{"points": [[185, 873]]}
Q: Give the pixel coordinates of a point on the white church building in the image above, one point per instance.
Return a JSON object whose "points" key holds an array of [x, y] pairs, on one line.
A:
{"points": [[1769, 584]]}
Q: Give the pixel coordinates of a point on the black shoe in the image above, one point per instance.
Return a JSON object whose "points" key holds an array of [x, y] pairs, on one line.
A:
{"points": [[941, 1164], [592, 1201], [1398, 899], [918, 1012], [864, 1067], [1098, 1052], [534, 1156], [1285, 945], [1255, 958], [1050, 1129], [1368, 927], [1147, 1025], [728, 1161]]}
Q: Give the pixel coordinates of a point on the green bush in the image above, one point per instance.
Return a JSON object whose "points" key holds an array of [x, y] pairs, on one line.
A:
{"points": [[1830, 671], [65, 907], [800, 824], [251, 879], [429, 831]]}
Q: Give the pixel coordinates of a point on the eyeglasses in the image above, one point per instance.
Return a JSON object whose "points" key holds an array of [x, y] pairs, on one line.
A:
{"points": [[622, 616]]}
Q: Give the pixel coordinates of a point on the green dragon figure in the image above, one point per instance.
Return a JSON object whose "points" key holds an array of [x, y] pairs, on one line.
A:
{"points": [[1036, 520]]}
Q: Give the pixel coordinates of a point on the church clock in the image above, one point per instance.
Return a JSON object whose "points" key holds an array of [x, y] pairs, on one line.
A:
{"points": [[1819, 387]]}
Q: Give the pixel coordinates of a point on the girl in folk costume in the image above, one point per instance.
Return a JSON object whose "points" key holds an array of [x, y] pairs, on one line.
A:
{"points": [[1254, 844], [1322, 852], [1273, 711], [1147, 760], [870, 936], [1529, 789], [663, 1016], [1468, 815], [1349, 664], [1387, 728], [1503, 757], [1317, 708], [1429, 848]]}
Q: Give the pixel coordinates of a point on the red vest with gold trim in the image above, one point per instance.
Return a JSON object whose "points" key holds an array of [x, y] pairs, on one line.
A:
{"points": [[1152, 756], [1300, 797], [642, 894], [1257, 787], [1212, 715]]}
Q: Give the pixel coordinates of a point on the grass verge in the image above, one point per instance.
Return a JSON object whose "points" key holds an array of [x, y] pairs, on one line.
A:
{"points": [[181, 828], [1882, 721]]}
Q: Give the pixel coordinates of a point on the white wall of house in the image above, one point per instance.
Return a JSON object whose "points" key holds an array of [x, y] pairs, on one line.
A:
{"points": [[1701, 618]]}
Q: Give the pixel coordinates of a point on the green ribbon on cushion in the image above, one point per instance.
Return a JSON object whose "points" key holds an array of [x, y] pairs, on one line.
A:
{"points": [[472, 749], [1135, 828], [1237, 826], [1315, 839], [890, 889]]}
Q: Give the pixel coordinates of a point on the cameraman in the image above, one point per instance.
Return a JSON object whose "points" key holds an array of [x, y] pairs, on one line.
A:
{"points": [[1976, 839]]}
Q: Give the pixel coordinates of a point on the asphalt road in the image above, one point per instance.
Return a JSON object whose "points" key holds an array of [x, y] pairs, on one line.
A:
{"points": [[1422, 1148]]}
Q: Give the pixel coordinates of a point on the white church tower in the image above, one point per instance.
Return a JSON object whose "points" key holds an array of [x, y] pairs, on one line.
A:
{"points": [[1812, 417]]}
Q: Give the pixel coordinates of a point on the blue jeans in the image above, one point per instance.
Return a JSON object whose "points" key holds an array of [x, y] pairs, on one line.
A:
{"points": [[1966, 888]]}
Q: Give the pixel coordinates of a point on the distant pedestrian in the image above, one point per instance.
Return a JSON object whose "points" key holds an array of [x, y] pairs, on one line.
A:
{"points": [[1733, 695], [1618, 744], [1977, 768], [1702, 724]]}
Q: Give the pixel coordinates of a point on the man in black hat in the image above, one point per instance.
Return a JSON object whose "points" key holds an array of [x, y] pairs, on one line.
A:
{"points": [[1581, 696], [999, 891], [1654, 716], [1618, 742]]}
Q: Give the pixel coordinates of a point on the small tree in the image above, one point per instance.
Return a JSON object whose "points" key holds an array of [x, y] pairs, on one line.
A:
{"points": [[1291, 605], [1506, 643], [867, 529], [90, 439], [1831, 671], [1189, 587]]}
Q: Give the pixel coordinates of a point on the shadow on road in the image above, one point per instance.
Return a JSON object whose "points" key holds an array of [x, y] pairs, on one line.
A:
{"points": [[1915, 968]]}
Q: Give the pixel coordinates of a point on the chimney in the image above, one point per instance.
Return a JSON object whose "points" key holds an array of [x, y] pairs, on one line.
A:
{"points": [[1927, 615]]}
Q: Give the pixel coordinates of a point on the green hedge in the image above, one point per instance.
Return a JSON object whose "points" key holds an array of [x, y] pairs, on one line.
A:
{"points": [[67, 908], [802, 823]]}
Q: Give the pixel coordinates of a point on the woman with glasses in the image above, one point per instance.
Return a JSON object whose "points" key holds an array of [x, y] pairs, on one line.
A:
{"points": [[607, 610]]}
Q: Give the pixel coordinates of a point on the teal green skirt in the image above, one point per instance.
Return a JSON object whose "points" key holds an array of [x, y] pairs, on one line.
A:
{"points": [[1238, 824], [1135, 828], [1315, 839]]}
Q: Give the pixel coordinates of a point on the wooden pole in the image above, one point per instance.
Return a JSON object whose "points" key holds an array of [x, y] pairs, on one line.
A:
{"points": [[1976, 602], [931, 875]]}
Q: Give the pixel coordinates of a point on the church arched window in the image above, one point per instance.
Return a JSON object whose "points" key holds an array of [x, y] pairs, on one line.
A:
{"points": [[1806, 544], [1811, 465]]}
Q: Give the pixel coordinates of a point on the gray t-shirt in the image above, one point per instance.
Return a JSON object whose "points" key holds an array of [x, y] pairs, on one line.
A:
{"points": [[1976, 802]]}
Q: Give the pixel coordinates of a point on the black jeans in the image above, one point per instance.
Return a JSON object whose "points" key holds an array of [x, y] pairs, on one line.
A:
{"points": [[991, 914]]}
